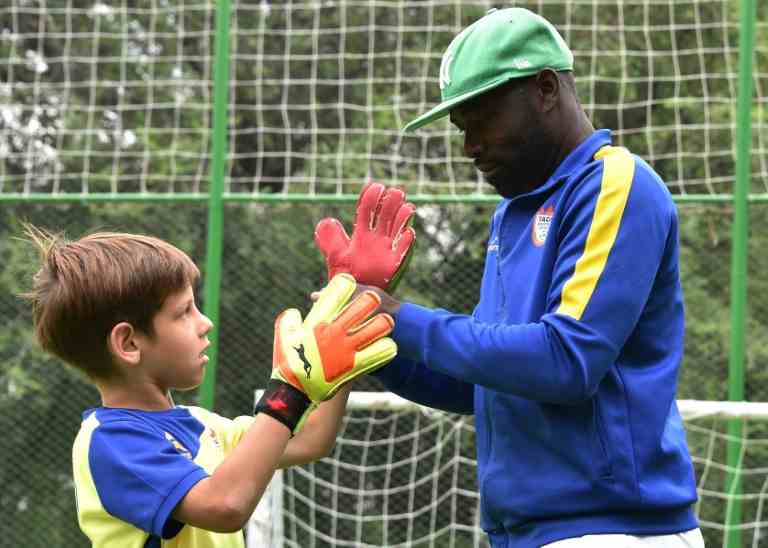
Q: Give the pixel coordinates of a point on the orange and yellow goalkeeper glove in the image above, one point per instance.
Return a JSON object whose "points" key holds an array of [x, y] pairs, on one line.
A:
{"points": [[382, 238], [337, 342]]}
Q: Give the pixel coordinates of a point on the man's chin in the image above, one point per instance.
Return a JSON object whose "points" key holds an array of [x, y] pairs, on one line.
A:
{"points": [[501, 183], [508, 182]]}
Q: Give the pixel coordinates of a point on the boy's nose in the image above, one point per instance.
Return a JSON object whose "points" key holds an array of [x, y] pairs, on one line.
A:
{"points": [[207, 324]]}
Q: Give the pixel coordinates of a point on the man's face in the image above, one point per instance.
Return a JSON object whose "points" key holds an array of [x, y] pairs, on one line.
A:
{"points": [[505, 136]]}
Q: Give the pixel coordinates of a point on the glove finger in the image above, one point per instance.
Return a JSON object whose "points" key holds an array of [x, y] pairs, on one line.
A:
{"points": [[358, 310], [404, 259], [288, 325], [390, 205], [403, 243], [287, 335], [375, 328], [330, 236], [375, 355], [368, 359], [404, 217], [367, 206], [332, 298]]}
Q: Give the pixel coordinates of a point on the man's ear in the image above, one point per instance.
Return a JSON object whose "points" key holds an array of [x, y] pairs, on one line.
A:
{"points": [[548, 89], [123, 345]]}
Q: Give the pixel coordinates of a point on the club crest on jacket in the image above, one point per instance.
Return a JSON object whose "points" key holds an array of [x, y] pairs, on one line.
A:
{"points": [[541, 223]]}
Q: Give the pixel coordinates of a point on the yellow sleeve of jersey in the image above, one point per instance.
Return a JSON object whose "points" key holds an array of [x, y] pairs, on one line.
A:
{"points": [[225, 432]]}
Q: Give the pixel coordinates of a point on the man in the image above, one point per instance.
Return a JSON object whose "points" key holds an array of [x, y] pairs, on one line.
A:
{"points": [[570, 360]]}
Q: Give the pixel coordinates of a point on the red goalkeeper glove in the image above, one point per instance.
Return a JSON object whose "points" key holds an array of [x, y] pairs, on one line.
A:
{"points": [[382, 238]]}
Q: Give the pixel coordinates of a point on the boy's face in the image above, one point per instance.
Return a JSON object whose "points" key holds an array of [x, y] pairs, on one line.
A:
{"points": [[174, 356]]}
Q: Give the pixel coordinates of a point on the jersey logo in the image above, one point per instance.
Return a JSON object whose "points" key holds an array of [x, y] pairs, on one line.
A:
{"points": [[541, 223], [180, 448], [214, 438]]}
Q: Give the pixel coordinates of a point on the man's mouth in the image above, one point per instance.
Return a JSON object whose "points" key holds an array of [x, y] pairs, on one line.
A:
{"points": [[489, 171], [485, 167]]}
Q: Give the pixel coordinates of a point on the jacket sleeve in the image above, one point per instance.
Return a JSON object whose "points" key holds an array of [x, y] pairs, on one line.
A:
{"points": [[612, 238], [413, 381]]}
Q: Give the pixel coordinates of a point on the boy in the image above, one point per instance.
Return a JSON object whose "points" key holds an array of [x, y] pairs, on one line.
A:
{"points": [[121, 309]]}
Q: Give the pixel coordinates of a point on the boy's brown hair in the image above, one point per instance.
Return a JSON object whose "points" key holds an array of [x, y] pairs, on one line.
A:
{"points": [[86, 287]]}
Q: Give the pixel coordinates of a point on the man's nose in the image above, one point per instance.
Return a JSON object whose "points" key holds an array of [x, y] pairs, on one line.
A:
{"points": [[472, 145]]}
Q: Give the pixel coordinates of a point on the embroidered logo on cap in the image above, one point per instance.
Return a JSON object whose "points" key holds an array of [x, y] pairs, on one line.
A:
{"points": [[521, 63], [445, 70]]}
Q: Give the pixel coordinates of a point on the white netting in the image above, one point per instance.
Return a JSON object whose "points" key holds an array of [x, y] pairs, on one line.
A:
{"points": [[105, 97], [402, 475], [108, 97]]}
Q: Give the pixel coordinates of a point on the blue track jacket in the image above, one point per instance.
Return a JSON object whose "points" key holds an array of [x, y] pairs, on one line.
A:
{"points": [[570, 359]]}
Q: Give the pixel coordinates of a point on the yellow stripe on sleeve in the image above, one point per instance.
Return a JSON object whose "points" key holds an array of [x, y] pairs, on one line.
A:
{"points": [[618, 171]]}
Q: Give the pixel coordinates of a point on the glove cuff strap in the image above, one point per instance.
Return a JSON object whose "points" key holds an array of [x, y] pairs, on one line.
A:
{"points": [[283, 402]]}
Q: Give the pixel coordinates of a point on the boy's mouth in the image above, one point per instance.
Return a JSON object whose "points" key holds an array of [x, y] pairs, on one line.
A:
{"points": [[205, 349]]}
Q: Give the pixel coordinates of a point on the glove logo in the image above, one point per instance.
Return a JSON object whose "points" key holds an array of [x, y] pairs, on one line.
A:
{"points": [[305, 361]]}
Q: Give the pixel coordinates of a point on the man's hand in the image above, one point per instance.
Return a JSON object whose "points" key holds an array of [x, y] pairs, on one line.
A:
{"points": [[382, 239], [336, 343], [389, 305]]}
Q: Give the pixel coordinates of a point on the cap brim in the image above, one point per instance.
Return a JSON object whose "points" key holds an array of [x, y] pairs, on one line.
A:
{"points": [[445, 107]]}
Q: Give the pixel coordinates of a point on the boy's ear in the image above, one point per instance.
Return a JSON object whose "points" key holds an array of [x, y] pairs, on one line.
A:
{"points": [[123, 345]]}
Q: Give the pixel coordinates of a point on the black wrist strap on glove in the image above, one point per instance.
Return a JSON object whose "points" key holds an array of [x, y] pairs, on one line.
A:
{"points": [[283, 402]]}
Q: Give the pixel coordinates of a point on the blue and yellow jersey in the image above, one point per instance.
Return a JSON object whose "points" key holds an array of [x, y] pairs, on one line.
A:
{"points": [[571, 357], [132, 468]]}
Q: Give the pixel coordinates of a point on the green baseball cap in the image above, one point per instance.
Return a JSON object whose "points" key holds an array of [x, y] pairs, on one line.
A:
{"points": [[502, 45]]}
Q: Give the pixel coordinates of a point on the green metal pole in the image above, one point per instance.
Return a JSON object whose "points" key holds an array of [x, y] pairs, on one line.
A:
{"points": [[739, 267], [215, 201]]}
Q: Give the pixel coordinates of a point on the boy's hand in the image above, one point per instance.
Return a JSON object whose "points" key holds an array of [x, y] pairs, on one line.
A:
{"points": [[382, 238], [335, 344]]}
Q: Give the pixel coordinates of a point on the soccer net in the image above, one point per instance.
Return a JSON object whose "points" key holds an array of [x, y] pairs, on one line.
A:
{"points": [[116, 97], [402, 475]]}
